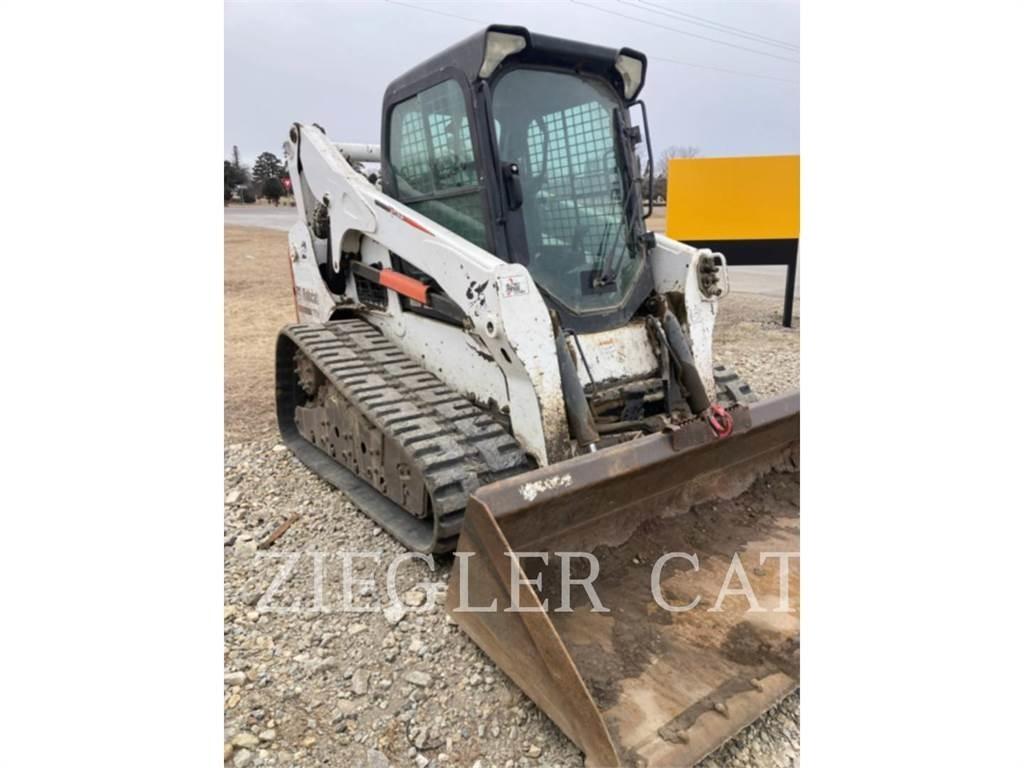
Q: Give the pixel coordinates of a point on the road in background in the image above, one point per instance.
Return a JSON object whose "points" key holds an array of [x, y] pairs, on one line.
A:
{"points": [[261, 216]]}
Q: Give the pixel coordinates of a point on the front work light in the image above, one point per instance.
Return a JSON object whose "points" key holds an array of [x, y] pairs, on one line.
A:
{"points": [[499, 45], [632, 71]]}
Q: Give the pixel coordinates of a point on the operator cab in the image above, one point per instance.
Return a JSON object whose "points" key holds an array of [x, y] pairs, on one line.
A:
{"points": [[522, 144]]}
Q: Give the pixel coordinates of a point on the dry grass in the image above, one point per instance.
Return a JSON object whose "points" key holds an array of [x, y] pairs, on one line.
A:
{"points": [[257, 302]]}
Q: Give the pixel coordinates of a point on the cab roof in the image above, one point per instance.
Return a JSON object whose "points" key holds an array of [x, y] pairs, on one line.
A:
{"points": [[467, 56]]}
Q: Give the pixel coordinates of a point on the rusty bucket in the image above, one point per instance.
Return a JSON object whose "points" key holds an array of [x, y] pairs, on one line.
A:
{"points": [[645, 597]]}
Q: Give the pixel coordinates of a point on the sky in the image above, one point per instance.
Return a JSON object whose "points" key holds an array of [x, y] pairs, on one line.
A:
{"points": [[329, 63]]}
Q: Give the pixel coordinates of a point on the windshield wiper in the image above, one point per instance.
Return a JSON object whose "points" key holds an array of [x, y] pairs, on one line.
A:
{"points": [[603, 278], [630, 200], [610, 266]]}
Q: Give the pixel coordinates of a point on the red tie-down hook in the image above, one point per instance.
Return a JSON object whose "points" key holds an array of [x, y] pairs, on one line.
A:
{"points": [[720, 420]]}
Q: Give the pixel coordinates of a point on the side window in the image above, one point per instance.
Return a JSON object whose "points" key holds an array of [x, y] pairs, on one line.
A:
{"points": [[431, 156], [410, 159]]}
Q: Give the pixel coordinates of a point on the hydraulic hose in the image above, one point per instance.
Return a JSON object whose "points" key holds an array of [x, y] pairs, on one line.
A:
{"points": [[577, 410], [682, 356]]}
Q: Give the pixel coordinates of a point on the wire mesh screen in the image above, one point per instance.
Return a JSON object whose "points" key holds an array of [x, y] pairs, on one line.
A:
{"points": [[431, 155], [445, 112], [581, 191], [431, 145], [410, 157], [561, 128]]}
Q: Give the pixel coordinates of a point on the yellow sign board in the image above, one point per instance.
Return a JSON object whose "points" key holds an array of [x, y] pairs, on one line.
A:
{"points": [[733, 198]]}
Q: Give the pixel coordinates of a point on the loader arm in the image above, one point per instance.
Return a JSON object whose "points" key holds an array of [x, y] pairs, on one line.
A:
{"points": [[505, 313], [676, 268]]}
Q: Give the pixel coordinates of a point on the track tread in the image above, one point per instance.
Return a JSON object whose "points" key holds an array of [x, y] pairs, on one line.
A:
{"points": [[456, 446], [731, 389]]}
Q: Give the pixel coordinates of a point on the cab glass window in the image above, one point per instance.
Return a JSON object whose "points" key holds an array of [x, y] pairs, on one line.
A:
{"points": [[580, 216], [433, 162]]}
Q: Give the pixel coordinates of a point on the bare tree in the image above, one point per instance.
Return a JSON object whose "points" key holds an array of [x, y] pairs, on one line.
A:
{"points": [[672, 152]]}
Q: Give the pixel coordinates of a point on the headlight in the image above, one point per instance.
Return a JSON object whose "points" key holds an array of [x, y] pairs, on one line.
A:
{"points": [[632, 71], [499, 45]]}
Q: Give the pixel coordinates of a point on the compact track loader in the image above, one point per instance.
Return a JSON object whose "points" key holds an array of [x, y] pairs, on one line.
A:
{"points": [[495, 357]]}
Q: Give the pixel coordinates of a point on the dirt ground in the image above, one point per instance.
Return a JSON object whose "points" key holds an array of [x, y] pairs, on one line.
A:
{"points": [[257, 302]]}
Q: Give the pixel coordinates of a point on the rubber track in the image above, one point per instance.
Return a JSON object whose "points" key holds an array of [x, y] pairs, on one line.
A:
{"points": [[731, 389], [457, 446]]}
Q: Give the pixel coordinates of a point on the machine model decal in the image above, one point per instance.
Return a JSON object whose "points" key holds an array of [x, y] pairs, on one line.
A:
{"points": [[402, 217], [531, 491], [308, 296]]}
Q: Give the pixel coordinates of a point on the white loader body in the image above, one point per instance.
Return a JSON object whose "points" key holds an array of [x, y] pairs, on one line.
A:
{"points": [[505, 356]]}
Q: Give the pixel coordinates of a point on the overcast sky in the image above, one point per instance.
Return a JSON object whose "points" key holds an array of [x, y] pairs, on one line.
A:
{"points": [[329, 63]]}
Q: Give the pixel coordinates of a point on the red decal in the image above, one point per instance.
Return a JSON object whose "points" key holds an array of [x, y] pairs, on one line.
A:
{"points": [[403, 217]]}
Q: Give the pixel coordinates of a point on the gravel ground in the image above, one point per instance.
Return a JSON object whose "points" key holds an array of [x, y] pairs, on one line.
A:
{"points": [[306, 684], [750, 337]]}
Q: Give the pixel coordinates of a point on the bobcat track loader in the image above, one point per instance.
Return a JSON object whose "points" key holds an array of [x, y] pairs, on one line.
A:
{"points": [[494, 356]]}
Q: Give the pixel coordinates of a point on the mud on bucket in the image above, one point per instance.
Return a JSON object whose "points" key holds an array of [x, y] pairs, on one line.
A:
{"points": [[667, 616]]}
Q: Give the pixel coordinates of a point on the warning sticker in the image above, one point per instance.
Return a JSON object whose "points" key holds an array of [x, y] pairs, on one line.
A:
{"points": [[513, 286]]}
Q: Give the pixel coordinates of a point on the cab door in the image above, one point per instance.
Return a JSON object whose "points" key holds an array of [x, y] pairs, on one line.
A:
{"points": [[432, 163]]}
